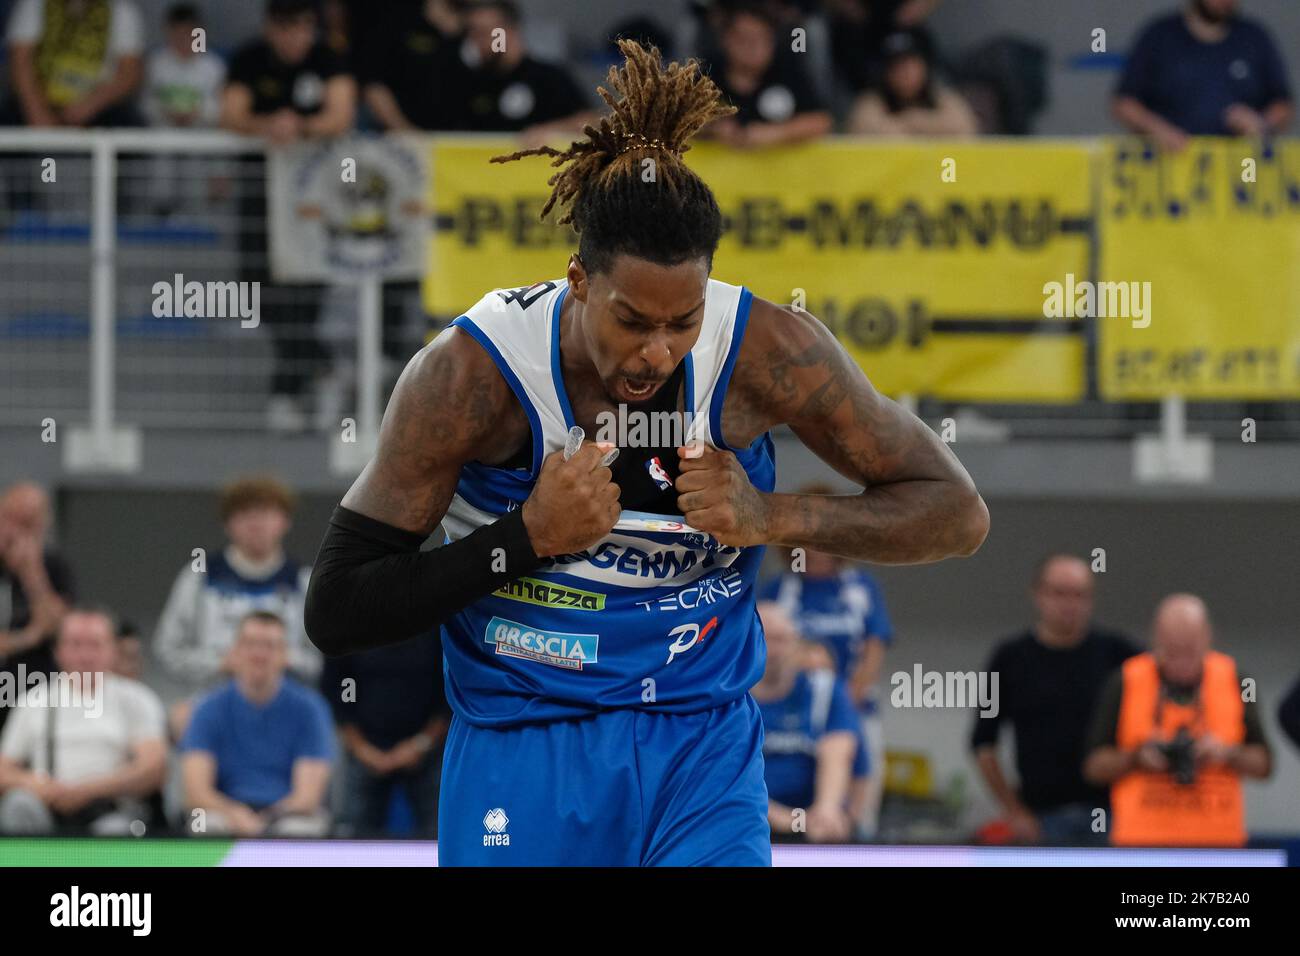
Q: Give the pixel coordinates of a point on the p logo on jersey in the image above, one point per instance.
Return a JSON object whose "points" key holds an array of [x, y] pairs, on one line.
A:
{"points": [[658, 474], [688, 635]]}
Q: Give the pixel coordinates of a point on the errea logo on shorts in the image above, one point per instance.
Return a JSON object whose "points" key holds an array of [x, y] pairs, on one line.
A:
{"points": [[495, 822]]}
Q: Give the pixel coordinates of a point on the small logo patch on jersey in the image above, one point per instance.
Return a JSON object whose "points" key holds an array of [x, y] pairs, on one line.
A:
{"points": [[570, 651], [688, 635], [658, 474]]}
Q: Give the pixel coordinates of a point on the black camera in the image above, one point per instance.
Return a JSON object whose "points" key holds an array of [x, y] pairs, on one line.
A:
{"points": [[1180, 752]]}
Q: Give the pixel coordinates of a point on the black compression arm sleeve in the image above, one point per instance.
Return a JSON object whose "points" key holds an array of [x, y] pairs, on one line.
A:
{"points": [[372, 586]]}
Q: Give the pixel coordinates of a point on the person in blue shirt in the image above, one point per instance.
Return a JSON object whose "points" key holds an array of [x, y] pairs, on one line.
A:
{"points": [[1203, 72], [810, 738], [257, 754], [841, 607]]}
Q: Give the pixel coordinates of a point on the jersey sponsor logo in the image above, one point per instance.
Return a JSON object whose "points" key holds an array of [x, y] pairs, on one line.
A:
{"points": [[641, 563], [718, 586], [495, 822], [549, 594], [657, 473], [688, 635], [570, 651]]}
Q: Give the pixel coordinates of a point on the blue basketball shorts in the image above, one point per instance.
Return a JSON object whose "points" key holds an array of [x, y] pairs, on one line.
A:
{"points": [[619, 788]]}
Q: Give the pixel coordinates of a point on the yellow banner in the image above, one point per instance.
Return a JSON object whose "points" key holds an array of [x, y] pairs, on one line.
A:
{"points": [[1212, 234], [927, 261]]}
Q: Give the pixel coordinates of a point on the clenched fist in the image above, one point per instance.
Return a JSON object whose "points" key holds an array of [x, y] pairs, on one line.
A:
{"points": [[574, 503], [715, 495]]}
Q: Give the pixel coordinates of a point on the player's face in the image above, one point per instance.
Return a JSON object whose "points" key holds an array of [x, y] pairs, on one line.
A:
{"points": [[639, 320]]}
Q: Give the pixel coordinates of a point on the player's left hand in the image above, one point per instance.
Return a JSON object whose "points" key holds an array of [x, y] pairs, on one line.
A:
{"points": [[715, 495]]}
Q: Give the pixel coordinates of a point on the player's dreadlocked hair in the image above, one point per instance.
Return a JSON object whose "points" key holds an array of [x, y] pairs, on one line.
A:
{"points": [[670, 219]]}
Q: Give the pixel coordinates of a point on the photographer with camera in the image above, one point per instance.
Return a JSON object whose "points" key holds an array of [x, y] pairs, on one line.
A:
{"points": [[1173, 737]]}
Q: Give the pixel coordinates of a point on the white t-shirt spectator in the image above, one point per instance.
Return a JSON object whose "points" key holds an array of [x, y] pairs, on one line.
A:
{"points": [[72, 73], [87, 742], [177, 86]]}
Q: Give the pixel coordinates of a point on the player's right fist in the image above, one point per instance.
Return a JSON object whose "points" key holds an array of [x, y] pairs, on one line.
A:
{"points": [[574, 503]]}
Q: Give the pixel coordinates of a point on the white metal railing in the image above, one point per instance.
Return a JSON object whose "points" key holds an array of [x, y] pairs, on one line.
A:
{"points": [[221, 383]]}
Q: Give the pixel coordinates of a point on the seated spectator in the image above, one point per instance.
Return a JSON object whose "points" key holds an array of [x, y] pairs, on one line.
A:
{"points": [[1173, 738], [252, 573], [1048, 681], [405, 66], [774, 99], [392, 718], [810, 738], [858, 29], [504, 89], [182, 86], [91, 761], [182, 90], [74, 62], [1203, 72], [288, 85], [256, 755], [35, 582], [911, 101]]}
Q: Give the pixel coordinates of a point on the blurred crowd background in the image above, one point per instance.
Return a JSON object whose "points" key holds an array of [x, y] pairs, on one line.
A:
{"points": [[191, 600]]}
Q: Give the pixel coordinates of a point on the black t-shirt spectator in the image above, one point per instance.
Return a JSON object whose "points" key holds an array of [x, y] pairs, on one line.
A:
{"points": [[276, 84], [16, 613], [417, 62], [398, 689], [533, 92], [1191, 84], [782, 93], [1048, 696]]}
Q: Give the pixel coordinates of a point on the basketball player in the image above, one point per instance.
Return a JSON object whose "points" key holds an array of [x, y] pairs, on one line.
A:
{"points": [[598, 663]]}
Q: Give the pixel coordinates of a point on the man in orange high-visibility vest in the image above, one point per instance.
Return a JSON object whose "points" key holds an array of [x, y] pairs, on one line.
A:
{"points": [[1174, 734]]}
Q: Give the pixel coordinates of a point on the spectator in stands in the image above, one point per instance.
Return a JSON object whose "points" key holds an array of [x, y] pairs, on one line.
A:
{"points": [[214, 592], [809, 738], [911, 101], [1288, 714], [183, 84], [774, 98], [503, 89], [35, 582], [256, 756], [841, 607], [405, 66], [858, 29], [1173, 736], [75, 62], [90, 761], [1048, 681], [182, 90], [286, 87], [1203, 72], [392, 717]]}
